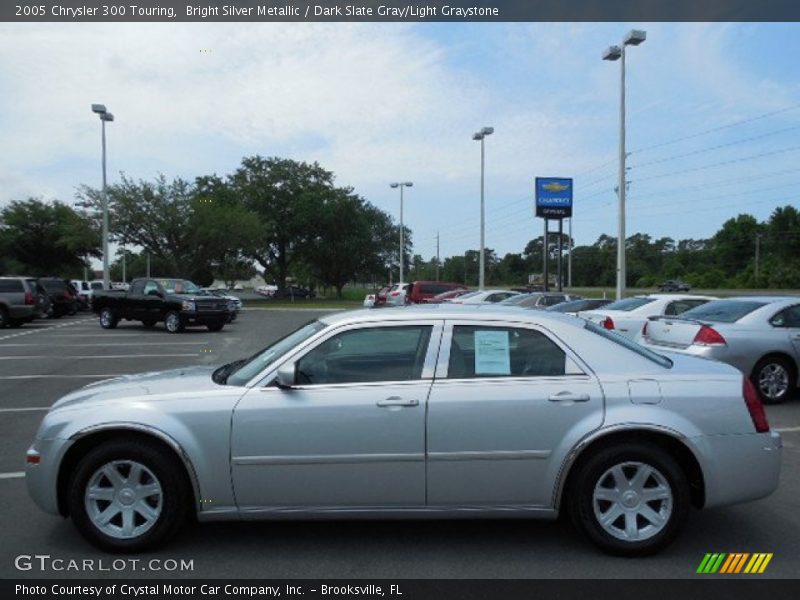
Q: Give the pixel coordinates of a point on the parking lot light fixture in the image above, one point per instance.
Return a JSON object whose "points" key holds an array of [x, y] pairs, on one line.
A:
{"points": [[401, 185], [613, 53], [480, 136], [105, 117]]}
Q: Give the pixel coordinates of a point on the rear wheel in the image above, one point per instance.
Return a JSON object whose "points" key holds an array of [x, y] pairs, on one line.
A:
{"points": [[774, 378], [173, 322], [128, 496], [108, 320], [4, 320], [630, 499]]}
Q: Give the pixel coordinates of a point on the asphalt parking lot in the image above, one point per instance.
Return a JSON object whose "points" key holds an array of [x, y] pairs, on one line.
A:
{"points": [[46, 359]]}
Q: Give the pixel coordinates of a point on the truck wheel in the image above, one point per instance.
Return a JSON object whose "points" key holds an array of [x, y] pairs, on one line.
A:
{"points": [[630, 499], [108, 320], [3, 317], [215, 326], [128, 496], [173, 322]]}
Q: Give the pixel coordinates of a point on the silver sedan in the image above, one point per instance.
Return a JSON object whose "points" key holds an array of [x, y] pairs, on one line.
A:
{"points": [[759, 335], [436, 412]]}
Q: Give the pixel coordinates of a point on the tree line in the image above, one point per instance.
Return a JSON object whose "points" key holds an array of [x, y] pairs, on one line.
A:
{"points": [[290, 222]]}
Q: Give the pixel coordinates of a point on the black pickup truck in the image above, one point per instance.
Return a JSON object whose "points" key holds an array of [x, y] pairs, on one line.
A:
{"points": [[179, 303]]}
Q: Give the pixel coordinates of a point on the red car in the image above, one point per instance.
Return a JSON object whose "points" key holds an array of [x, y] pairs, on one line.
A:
{"points": [[422, 291]]}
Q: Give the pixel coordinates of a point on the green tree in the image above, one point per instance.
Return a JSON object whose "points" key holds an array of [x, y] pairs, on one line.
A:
{"points": [[47, 238]]}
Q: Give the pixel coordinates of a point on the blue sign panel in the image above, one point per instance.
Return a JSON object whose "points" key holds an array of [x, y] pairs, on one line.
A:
{"points": [[553, 197]]}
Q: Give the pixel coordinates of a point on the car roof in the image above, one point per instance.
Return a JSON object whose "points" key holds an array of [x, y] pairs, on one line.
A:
{"points": [[448, 311]]}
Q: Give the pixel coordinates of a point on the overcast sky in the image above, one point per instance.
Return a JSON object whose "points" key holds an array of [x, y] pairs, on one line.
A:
{"points": [[377, 103]]}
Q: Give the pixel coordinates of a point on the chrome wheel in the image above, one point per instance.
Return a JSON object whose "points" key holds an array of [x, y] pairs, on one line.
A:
{"points": [[123, 499], [106, 318], [173, 322], [773, 381], [632, 501]]}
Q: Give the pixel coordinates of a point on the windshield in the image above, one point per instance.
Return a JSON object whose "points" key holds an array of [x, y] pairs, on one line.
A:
{"points": [[180, 286], [256, 363], [629, 344], [722, 311], [469, 295], [628, 304], [518, 299]]}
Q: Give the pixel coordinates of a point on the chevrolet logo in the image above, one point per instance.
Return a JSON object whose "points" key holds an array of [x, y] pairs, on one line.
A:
{"points": [[554, 186]]}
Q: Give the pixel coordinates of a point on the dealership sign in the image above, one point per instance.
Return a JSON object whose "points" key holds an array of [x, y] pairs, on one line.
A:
{"points": [[553, 197]]}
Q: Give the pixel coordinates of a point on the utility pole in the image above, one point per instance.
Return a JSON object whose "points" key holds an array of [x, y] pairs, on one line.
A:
{"points": [[124, 267], [148, 265], [437, 256]]}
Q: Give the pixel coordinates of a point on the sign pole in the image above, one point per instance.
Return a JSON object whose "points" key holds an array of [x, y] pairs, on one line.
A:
{"points": [[560, 254], [545, 257]]}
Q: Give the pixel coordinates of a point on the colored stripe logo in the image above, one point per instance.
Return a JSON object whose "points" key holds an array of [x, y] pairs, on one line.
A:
{"points": [[734, 563]]}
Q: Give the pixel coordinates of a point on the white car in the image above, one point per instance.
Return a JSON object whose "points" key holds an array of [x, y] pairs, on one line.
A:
{"points": [[628, 316], [267, 290], [484, 297], [369, 301], [396, 296]]}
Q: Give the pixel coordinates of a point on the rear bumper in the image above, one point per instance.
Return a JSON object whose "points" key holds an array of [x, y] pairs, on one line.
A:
{"points": [[739, 468]]}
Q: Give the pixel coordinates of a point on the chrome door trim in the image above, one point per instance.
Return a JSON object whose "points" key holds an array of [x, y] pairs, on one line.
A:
{"points": [[490, 455], [326, 459]]}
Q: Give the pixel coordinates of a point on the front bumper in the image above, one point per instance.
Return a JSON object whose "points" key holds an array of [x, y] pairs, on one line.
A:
{"points": [[739, 467], [206, 317], [42, 478]]}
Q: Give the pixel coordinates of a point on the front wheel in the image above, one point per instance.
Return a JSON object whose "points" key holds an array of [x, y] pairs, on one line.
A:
{"points": [[630, 499], [128, 496], [173, 322], [108, 320], [774, 379]]}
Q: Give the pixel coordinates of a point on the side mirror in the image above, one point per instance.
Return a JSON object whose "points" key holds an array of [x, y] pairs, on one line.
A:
{"points": [[286, 377]]}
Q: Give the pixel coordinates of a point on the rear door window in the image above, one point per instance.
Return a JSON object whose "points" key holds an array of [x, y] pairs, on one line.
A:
{"points": [[628, 304], [479, 352]]}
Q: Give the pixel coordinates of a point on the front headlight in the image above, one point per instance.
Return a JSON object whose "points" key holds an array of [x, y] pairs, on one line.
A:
{"points": [[188, 306]]}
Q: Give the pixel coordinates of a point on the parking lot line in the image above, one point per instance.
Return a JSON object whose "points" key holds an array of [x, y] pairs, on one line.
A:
{"points": [[111, 344], [73, 356], [4, 410], [103, 376], [37, 329], [13, 475], [786, 429]]}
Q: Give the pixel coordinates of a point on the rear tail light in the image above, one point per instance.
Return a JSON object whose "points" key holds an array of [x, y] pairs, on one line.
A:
{"points": [[395, 294], [608, 323], [708, 336], [29, 298], [754, 406]]}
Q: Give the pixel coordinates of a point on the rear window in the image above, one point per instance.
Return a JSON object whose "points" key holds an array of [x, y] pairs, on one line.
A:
{"points": [[617, 338], [11, 286], [723, 311], [53, 285], [628, 304]]}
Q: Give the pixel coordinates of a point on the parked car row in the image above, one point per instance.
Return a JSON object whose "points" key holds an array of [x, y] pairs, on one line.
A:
{"points": [[23, 299]]}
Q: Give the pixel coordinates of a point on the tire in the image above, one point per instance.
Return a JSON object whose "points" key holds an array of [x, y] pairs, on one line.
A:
{"points": [[4, 320], [173, 322], [15, 323], [135, 522], [108, 320], [595, 494], [149, 323], [215, 326], [774, 378]]}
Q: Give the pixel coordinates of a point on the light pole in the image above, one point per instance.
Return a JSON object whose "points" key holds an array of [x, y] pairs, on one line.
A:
{"points": [[633, 38], [401, 185], [480, 136], [100, 109]]}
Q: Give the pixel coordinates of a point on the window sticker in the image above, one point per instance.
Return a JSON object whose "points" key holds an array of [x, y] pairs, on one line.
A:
{"points": [[492, 353]]}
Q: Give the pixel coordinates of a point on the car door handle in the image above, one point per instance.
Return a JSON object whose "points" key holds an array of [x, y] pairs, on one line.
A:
{"points": [[569, 397], [397, 401]]}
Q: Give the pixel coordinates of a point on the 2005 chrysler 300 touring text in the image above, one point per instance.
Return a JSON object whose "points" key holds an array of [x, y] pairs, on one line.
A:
{"points": [[439, 411]]}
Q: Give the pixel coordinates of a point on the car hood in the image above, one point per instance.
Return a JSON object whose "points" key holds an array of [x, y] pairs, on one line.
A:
{"points": [[162, 383]]}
